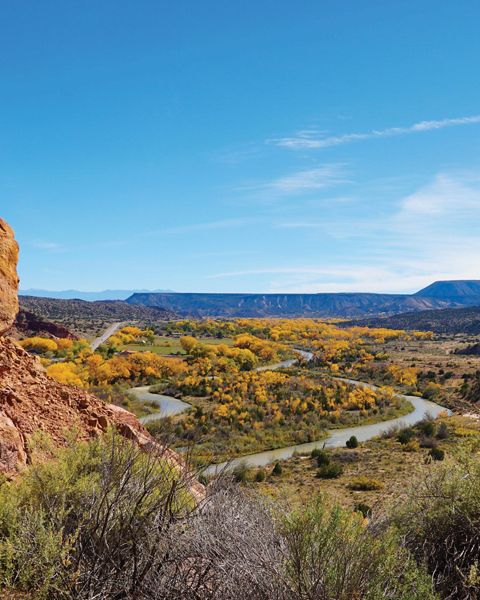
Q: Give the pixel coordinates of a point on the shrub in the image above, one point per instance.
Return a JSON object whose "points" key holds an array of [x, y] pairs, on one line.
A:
{"points": [[277, 469], [428, 442], [93, 518], [405, 435], [365, 484], [428, 428], [437, 453], [332, 555], [260, 475], [330, 471], [363, 509], [440, 520], [411, 446], [352, 442], [323, 458], [240, 473], [442, 432]]}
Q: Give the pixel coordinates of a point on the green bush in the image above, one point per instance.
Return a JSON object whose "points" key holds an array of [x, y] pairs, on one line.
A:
{"points": [[352, 442], [240, 473], [439, 518], [363, 509], [277, 469], [437, 453], [411, 446], [78, 521], [323, 458], [332, 555], [405, 435], [428, 428], [260, 475], [442, 432], [330, 471]]}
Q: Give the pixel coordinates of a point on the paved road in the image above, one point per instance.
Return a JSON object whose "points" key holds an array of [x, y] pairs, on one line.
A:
{"points": [[105, 335]]}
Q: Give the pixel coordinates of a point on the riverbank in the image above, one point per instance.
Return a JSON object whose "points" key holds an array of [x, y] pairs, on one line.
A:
{"points": [[169, 406], [335, 438]]}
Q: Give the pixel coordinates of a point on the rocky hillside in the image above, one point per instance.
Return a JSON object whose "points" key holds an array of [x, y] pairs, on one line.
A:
{"points": [[30, 401], [110, 310], [287, 305], [89, 319], [28, 324]]}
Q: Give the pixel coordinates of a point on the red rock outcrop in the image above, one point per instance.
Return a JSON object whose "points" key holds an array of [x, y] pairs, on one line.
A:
{"points": [[30, 401], [28, 324], [8, 277]]}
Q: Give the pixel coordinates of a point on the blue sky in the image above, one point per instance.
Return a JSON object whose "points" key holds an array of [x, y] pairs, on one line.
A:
{"points": [[254, 146]]}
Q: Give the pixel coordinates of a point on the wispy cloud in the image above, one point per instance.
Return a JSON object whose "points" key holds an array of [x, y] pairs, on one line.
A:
{"points": [[446, 194], [429, 234], [43, 245], [352, 278], [308, 139], [208, 226], [299, 182]]}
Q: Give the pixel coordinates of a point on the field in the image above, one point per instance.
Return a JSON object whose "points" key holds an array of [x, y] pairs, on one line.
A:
{"points": [[171, 345]]}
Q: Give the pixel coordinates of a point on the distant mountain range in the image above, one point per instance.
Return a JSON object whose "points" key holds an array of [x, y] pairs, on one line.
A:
{"points": [[441, 294], [438, 295], [90, 296], [461, 288]]}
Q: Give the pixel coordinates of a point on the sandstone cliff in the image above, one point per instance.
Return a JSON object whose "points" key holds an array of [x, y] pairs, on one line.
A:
{"points": [[30, 401], [8, 277]]}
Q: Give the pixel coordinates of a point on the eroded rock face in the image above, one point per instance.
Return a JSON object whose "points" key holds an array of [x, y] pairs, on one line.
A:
{"points": [[12, 446], [30, 402], [8, 277]]}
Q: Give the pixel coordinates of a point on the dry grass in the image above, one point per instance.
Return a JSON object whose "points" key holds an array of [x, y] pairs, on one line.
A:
{"points": [[383, 460]]}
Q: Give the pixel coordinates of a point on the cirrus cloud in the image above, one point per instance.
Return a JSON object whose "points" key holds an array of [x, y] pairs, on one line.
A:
{"points": [[306, 140]]}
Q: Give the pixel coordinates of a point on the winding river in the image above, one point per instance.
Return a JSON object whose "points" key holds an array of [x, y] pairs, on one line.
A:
{"points": [[170, 406]]}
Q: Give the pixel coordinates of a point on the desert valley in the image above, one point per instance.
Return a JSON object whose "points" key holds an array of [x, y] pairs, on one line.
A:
{"points": [[113, 412], [239, 300]]}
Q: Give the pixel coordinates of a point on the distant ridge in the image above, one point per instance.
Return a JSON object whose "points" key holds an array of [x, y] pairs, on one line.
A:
{"points": [[89, 296], [347, 305], [460, 288], [286, 305], [60, 310]]}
